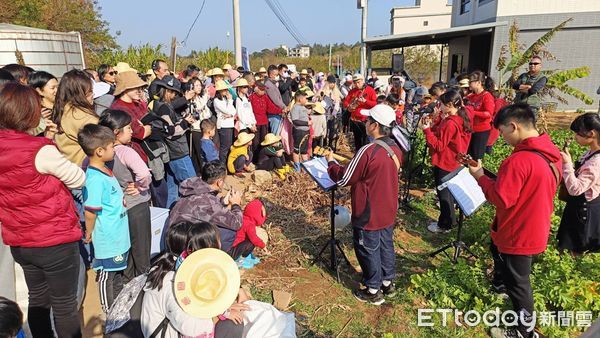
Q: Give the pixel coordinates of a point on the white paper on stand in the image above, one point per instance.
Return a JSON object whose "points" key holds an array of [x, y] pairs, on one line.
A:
{"points": [[466, 191]]}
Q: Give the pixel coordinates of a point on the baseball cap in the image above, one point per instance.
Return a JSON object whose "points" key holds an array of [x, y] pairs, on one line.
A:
{"points": [[348, 78], [381, 113]]}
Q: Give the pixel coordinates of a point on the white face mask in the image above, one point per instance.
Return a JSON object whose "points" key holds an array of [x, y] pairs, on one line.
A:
{"points": [[285, 75]]}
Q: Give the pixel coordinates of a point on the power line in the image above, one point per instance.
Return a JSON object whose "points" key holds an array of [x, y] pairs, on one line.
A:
{"points": [[193, 23], [291, 23], [283, 21]]}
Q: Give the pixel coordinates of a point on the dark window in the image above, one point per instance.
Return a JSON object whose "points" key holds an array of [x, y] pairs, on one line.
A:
{"points": [[425, 23], [465, 6], [417, 3], [483, 2]]}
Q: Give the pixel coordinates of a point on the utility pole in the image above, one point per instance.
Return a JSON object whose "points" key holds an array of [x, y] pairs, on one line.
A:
{"points": [[237, 34], [362, 4], [174, 53], [329, 69]]}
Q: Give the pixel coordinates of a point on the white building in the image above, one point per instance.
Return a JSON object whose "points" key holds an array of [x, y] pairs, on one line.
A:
{"points": [[479, 29], [424, 15], [299, 52]]}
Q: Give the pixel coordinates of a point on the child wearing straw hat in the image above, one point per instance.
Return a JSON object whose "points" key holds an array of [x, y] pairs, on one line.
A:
{"points": [[319, 121], [243, 108], [240, 157], [226, 113], [271, 157], [177, 303]]}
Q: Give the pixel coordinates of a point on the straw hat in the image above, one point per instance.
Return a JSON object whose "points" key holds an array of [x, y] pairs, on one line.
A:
{"points": [[216, 71], [207, 283], [318, 108], [262, 70], [242, 139], [227, 66], [123, 67], [309, 93], [270, 138], [241, 83], [303, 72], [127, 80], [221, 85], [464, 83], [209, 73]]}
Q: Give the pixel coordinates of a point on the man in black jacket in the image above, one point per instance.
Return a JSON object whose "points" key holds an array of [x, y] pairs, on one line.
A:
{"points": [[285, 83]]}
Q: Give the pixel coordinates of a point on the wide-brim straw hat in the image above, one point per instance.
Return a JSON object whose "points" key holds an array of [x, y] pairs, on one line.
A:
{"points": [[216, 71], [261, 70], [221, 85], [270, 138], [303, 72], [464, 83], [243, 138], [227, 66], [318, 108], [241, 83], [123, 67], [207, 283], [127, 80]]}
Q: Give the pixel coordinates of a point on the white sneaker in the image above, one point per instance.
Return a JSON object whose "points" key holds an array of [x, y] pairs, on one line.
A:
{"points": [[433, 227]]}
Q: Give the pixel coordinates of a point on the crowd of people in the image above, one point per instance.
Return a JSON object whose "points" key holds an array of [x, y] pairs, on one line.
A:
{"points": [[84, 158]]}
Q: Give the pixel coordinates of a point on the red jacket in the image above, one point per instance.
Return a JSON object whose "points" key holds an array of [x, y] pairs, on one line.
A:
{"points": [[373, 178], [36, 210], [137, 110], [370, 101], [495, 133], [253, 218], [446, 142], [523, 194], [261, 106], [484, 110]]}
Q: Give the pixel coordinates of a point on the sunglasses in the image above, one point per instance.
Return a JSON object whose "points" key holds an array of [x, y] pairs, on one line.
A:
{"points": [[114, 72], [535, 63]]}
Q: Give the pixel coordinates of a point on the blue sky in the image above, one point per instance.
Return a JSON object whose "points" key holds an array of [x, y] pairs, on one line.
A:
{"points": [[319, 21]]}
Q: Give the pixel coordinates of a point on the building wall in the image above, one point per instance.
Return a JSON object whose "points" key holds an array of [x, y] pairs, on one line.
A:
{"points": [[410, 19], [530, 7], [458, 46], [571, 47], [479, 13]]}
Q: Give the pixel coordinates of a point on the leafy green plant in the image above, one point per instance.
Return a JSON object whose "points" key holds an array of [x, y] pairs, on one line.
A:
{"points": [[514, 55], [560, 282]]}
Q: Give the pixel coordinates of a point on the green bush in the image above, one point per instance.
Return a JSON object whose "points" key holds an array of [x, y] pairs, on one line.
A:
{"points": [[560, 282]]}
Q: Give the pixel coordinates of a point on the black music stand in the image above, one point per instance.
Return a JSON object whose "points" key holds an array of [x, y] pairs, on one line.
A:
{"points": [[317, 170], [469, 198]]}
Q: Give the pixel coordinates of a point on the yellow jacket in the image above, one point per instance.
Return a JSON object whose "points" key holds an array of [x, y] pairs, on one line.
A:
{"points": [[234, 153], [72, 120]]}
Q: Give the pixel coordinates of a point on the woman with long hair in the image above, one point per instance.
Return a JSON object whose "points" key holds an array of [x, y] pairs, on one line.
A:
{"points": [[46, 85], [579, 229], [44, 239], [445, 142], [483, 103], [73, 109], [180, 166]]}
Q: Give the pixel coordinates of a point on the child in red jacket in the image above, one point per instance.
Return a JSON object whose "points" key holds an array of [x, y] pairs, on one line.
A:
{"points": [[523, 194], [247, 238], [450, 138]]}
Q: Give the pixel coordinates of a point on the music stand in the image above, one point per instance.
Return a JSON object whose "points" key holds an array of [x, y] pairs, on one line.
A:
{"points": [[470, 198], [317, 170]]}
